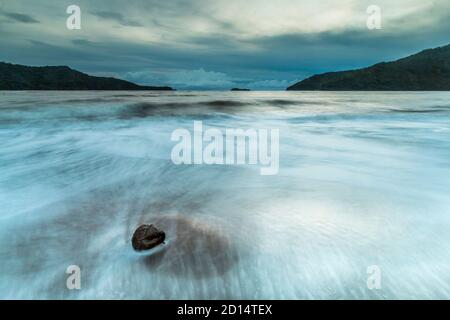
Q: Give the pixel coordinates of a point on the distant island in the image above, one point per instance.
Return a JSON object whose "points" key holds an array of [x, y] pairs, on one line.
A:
{"points": [[239, 89], [426, 70], [19, 77]]}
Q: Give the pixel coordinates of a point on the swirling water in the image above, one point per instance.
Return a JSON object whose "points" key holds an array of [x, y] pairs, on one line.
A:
{"points": [[364, 180]]}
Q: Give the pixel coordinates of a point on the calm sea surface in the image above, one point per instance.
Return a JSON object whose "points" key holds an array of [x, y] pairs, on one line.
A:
{"points": [[364, 180]]}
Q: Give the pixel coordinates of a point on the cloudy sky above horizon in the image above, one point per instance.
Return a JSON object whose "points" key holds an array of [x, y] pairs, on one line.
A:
{"points": [[218, 44]]}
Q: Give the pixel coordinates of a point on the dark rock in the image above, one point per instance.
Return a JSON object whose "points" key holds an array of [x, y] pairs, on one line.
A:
{"points": [[147, 237]]}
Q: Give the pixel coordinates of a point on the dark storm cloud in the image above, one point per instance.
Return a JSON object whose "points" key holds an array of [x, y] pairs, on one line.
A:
{"points": [[285, 58], [200, 42], [20, 17]]}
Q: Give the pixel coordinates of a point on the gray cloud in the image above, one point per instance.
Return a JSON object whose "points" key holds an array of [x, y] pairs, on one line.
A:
{"points": [[82, 42], [117, 17], [184, 79]]}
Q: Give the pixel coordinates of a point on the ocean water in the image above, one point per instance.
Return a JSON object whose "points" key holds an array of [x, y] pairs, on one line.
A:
{"points": [[364, 180]]}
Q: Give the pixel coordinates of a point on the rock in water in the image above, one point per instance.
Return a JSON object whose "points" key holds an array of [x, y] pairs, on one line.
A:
{"points": [[147, 237], [240, 89]]}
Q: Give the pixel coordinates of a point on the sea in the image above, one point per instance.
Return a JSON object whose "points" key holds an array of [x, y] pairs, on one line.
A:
{"points": [[358, 209]]}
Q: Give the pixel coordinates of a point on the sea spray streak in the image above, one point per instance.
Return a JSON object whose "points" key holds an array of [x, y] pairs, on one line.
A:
{"points": [[240, 146]]}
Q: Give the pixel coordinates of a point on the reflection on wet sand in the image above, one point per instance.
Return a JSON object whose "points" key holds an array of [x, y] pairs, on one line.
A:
{"points": [[194, 249]]}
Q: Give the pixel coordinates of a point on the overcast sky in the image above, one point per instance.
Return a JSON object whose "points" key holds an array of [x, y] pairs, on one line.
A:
{"points": [[218, 44]]}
